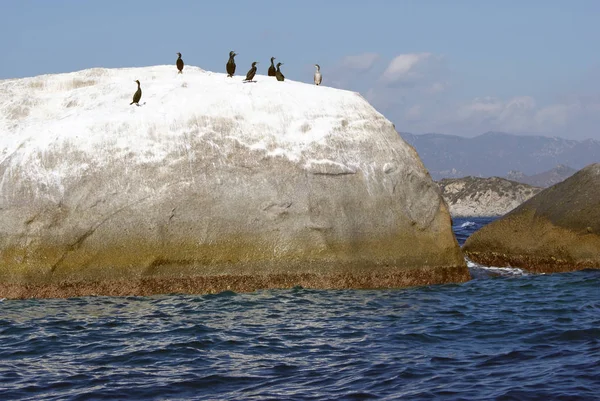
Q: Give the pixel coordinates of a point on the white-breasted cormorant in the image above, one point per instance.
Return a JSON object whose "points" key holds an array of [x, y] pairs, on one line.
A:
{"points": [[137, 95], [250, 75], [318, 76], [231, 64], [272, 70], [278, 74], [179, 63]]}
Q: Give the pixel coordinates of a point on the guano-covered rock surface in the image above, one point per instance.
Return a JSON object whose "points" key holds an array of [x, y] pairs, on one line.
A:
{"points": [[210, 184]]}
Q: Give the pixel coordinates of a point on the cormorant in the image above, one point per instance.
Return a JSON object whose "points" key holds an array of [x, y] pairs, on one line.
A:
{"points": [[278, 74], [272, 70], [318, 76], [250, 75], [137, 95], [179, 63], [231, 64]]}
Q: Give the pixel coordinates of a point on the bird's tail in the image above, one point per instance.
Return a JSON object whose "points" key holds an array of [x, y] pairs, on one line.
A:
{"points": [[131, 103]]}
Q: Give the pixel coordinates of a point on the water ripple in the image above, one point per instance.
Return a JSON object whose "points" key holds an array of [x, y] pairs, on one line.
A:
{"points": [[504, 337]]}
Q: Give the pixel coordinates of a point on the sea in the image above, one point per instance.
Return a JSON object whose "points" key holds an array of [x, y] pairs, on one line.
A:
{"points": [[504, 335]]}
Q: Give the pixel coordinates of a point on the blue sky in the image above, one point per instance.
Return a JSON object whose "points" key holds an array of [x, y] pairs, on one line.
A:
{"points": [[455, 67]]}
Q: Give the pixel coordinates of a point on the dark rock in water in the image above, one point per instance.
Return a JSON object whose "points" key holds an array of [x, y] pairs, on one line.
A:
{"points": [[557, 230], [481, 197]]}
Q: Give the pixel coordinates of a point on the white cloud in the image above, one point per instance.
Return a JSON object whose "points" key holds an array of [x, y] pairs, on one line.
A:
{"points": [[490, 113], [437, 87], [404, 67], [480, 105], [413, 113], [418, 93], [519, 114], [555, 116], [360, 62]]}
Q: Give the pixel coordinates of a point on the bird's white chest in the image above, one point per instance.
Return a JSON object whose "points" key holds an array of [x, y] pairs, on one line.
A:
{"points": [[318, 77]]}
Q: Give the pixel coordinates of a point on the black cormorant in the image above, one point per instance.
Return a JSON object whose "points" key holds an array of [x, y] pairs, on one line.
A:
{"points": [[250, 75], [278, 74], [231, 64], [318, 76], [272, 70], [137, 95], [179, 63]]}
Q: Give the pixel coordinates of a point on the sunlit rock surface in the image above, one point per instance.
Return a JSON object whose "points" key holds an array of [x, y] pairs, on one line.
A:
{"points": [[210, 184], [557, 230]]}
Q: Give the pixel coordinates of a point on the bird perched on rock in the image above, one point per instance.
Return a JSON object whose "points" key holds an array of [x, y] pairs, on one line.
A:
{"points": [[137, 95], [278, 74], [231, 64], [318, 76], [272, 70], [250, 75], [179, 63]]}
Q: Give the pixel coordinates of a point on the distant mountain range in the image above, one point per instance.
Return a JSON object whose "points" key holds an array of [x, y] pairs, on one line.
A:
{"points": [[497, 154], [545, 179]]}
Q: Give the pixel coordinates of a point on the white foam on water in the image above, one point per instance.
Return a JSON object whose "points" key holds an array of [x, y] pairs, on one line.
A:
{"points": [[498, 271]]}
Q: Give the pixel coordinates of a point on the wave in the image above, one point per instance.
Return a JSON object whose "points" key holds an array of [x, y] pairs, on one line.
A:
{"points": [[494, 271], [527, 333]]}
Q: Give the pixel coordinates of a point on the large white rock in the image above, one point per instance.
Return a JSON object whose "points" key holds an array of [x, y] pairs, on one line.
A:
{"points": [[209, 184]]}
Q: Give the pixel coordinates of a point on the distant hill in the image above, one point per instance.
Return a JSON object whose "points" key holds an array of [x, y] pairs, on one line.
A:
{"points": [[545, 179], [477, 197], [496, 154]]}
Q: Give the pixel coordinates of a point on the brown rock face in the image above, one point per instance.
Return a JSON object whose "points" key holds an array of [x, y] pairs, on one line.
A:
{"points": [[557, 230], [211, 185]]}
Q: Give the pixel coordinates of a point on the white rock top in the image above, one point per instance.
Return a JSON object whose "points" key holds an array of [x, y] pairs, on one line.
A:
{"points": [[94, 104], [88, 111]]}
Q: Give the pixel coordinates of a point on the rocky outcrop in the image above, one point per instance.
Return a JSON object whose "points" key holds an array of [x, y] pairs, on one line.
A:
{"points": [[209, 185], [481, 197], [556, 230]]}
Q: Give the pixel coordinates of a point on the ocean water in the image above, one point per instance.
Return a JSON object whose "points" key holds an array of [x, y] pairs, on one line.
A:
{"points": [[505, 335]]}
